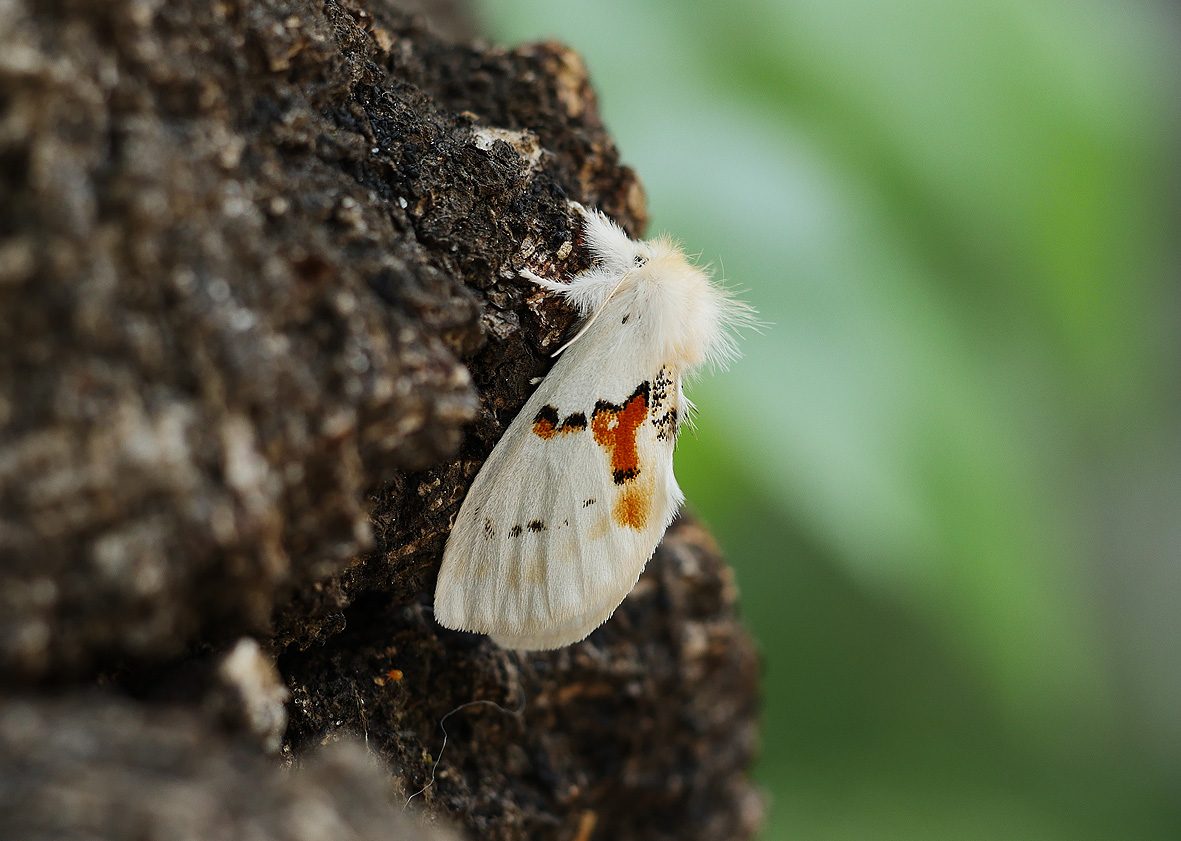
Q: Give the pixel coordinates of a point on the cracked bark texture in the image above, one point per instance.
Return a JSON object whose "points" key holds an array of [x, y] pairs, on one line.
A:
{"points": [[261, 326]]}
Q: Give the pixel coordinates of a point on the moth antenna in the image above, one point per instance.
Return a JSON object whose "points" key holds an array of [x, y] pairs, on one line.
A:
{"points": [[544, 283], [594, 316]]}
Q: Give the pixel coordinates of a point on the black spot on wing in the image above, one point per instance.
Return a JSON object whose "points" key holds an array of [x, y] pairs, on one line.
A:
{"points": [[603, 407], [515, 531], [535, 526], [666, 425], [666, 421], [625, 474], [661, 388], [546, 425]]}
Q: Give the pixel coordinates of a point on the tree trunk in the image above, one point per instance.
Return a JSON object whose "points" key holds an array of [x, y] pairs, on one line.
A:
{"points": [[261, 325]]}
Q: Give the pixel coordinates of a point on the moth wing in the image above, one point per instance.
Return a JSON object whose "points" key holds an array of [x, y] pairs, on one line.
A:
{"points": [[550, 540]]}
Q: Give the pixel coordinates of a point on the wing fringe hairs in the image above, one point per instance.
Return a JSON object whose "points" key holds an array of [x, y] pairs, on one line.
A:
{"points": [[573, 500]]}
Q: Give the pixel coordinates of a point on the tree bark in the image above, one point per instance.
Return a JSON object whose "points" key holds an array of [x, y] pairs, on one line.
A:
{"points": [[261, 325]]}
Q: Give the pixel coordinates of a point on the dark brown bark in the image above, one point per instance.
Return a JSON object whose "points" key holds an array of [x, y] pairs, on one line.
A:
{"points": [[261, 324]]}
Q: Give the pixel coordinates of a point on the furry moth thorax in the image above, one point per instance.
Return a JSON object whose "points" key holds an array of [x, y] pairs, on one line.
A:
{"points": [[689, 319]]}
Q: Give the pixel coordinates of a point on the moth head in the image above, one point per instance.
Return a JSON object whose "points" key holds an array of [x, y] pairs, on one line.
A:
{"points": [[614, 251]]}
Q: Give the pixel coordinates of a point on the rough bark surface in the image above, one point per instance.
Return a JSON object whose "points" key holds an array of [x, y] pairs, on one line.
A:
{"points": [[261, 326], [93, 767]]}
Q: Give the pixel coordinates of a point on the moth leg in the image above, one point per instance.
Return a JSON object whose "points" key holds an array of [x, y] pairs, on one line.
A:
{"points": [[548, 285]]}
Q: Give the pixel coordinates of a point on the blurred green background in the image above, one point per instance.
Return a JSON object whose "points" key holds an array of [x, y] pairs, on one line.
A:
{"points": [[949, 473]]}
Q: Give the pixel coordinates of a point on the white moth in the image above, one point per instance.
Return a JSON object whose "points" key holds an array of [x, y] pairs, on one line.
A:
{"points": [[573, 500]]}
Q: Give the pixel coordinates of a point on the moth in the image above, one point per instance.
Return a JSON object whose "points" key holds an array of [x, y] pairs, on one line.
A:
{"points": [[565, 513]]}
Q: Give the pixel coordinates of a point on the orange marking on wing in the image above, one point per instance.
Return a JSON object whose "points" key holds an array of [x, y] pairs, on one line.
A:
{"points": [[633, 506], [542, 428], [615, 427], [546, 425]]}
